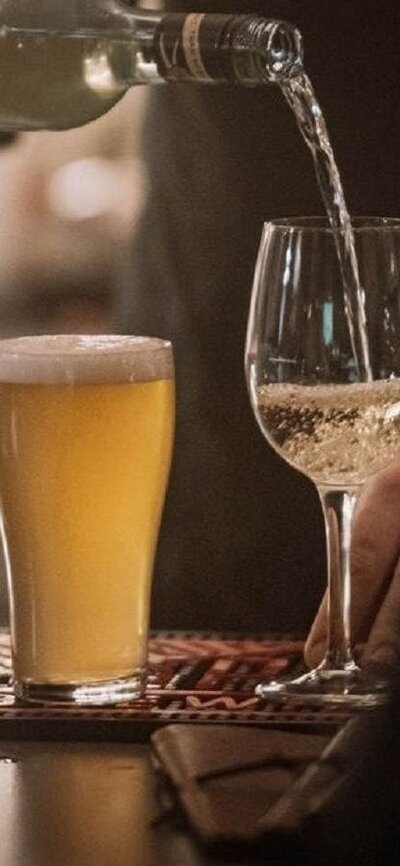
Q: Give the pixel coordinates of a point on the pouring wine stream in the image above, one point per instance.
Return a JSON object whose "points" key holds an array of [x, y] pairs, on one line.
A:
{"points": [[300, 95]]}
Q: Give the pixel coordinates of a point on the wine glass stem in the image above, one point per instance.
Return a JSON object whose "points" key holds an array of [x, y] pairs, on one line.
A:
{"points": [[338, 508]]}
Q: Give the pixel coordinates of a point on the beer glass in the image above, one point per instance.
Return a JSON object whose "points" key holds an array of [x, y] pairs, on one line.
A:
{"points": [[326, 415], [86, 431]]}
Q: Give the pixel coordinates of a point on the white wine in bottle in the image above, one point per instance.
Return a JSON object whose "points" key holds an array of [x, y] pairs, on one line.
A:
{"points": [[64, 64]]}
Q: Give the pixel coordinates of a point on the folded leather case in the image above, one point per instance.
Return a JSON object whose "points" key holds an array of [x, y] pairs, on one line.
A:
{"points": [[324, 800], [226, 779]]}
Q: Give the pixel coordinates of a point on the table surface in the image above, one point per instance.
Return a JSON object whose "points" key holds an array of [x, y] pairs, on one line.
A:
{"points": [[95, 804], [86, 804], [77, 787]]}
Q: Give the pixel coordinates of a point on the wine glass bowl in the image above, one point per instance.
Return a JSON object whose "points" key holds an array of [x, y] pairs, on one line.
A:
{"points": [[330, 414]]}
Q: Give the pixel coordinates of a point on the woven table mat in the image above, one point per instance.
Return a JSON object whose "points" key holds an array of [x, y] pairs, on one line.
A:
{"points": [[193, 677]]}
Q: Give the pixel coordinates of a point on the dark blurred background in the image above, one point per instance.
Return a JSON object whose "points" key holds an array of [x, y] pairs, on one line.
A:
{"points": [[242, 542]]}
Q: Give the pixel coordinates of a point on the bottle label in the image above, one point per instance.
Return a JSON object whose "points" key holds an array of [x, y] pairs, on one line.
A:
{"points": [[188, 47], [191, 46]]}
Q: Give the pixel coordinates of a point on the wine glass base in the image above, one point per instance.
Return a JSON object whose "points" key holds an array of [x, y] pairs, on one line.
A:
{"points": [[351, 688]]}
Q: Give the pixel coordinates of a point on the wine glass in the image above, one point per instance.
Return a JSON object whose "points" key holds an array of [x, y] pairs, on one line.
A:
{"points": [[328, 409]]}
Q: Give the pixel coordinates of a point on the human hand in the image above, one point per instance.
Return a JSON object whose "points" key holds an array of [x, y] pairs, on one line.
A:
{"points": [[375, 565]]}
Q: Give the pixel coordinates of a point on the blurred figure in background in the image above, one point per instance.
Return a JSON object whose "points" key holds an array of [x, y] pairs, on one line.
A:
{"points": [[69, 202], [242, 543]]}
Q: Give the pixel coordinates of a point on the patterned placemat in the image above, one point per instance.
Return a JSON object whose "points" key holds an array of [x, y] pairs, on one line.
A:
{"points": [[193, 678]]}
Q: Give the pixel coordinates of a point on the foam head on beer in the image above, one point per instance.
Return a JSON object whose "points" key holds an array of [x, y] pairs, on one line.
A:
{"points": [[87, 359], [86, 431]]}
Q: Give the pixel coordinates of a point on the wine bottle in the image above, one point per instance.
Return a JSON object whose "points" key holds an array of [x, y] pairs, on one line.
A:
{"points": [[66, 63]]}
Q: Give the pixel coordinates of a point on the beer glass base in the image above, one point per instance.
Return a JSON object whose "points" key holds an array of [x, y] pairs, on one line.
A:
{"points": [[105, 692]]}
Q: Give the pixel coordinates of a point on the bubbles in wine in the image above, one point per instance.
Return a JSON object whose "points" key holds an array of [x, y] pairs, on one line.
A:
{"points": [[335, 434]]}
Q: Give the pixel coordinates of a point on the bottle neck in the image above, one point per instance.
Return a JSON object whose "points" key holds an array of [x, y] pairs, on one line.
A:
{"points": [[209, 47]]}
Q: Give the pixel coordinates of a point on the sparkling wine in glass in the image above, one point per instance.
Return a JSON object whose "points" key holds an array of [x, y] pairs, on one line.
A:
{"points": [[333, 419]]}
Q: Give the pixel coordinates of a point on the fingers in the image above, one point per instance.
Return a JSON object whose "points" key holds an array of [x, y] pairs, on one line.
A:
{"points": [[383, 647], [375, 548], [374, 554], [315, 647]]}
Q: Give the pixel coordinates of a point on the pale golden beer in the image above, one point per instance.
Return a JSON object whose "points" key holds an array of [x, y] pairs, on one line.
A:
{"points": [[86, 430]]}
